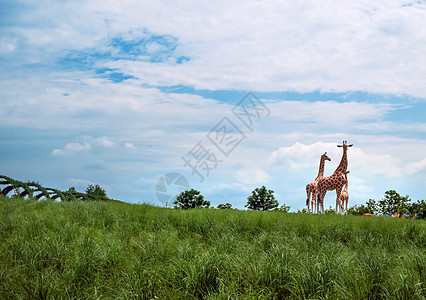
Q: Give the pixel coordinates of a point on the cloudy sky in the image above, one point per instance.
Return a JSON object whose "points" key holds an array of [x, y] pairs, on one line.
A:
{"points": [[120, 93]]}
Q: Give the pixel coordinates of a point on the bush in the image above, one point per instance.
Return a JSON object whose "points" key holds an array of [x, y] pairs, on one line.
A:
{"points": [[190, 199], [283, 208], [225, 206]]}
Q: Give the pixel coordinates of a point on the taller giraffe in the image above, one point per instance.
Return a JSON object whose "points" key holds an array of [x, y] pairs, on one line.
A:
{"points": [[335, 181], [311, 188]]}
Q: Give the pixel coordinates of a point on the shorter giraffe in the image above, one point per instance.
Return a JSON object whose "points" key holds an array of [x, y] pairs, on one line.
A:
{"points": [[344, 196], [311, 188], [335, 181]]}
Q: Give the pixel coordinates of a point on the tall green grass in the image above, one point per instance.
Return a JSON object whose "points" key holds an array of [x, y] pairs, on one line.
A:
{"points": [[111, 250]]}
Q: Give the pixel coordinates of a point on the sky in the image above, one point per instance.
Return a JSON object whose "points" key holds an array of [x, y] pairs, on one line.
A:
{"points": [[149, 98]]}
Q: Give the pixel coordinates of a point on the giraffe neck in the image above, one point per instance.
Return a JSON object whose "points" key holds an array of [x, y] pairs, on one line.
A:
{"points": [[321, 168], [346, 184], [343, 163]]}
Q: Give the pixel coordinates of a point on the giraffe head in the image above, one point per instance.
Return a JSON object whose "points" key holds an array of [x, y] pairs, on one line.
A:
{"points": [[325, 157], [345, 145]]}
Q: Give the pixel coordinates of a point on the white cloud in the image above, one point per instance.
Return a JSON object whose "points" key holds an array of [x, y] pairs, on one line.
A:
{"points": [[78, 183], [87, 145], [346, 46], [332, 46], [301, 156], [330, 112], [415, 167], [71, 148], [380, 164], [252, 175], [104, 141], [129, 146]]}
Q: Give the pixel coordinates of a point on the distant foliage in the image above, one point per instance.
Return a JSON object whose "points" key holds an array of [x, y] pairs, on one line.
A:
{"points": [[330, 211], [391, 203], [261, 199], [225, 206], [283, 208], [95, 190], [190, 199]]}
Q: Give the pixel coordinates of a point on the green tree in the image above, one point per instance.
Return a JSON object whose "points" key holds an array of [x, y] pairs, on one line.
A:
{"points": [[371, 206], [95, 190], [393, 202], [225, 206], [419, 208], [261, 199], [190, 199]]}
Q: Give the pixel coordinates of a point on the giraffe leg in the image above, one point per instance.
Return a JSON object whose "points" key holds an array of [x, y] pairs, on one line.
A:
{"points": [[314, 202], [338, 193], [346, 206], [308, 193], [320, 202], [317, 204]]}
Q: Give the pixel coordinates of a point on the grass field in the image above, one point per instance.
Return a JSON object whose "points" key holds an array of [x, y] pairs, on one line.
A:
{"points": [[112, 250]]}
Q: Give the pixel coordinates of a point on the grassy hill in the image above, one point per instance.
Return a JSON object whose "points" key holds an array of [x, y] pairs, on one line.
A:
{"points": [[113, 250]]}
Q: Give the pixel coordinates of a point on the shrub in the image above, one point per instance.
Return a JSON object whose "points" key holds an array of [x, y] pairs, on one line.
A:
{"points": [[225, 206], [190, 199]]}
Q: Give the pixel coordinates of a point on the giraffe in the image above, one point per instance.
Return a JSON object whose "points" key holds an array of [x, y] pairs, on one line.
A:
{"points": [[335, 181], [344, 196], [311, 188]]}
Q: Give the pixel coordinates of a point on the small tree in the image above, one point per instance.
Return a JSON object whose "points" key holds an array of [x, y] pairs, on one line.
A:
{"points": [[190, 199], [393, 202], [96, 191], [225, 206], [261, 199]]}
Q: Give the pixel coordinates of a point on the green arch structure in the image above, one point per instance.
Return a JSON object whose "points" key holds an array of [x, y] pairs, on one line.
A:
{"points": [[33, 189]]}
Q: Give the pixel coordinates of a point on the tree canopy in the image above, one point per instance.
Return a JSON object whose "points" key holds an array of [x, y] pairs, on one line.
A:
{"points": [[95, 190], [190, 199], [261, 199]]}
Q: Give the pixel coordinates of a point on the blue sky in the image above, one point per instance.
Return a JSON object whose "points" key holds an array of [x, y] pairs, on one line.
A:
{"points": [[117, 94]]}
